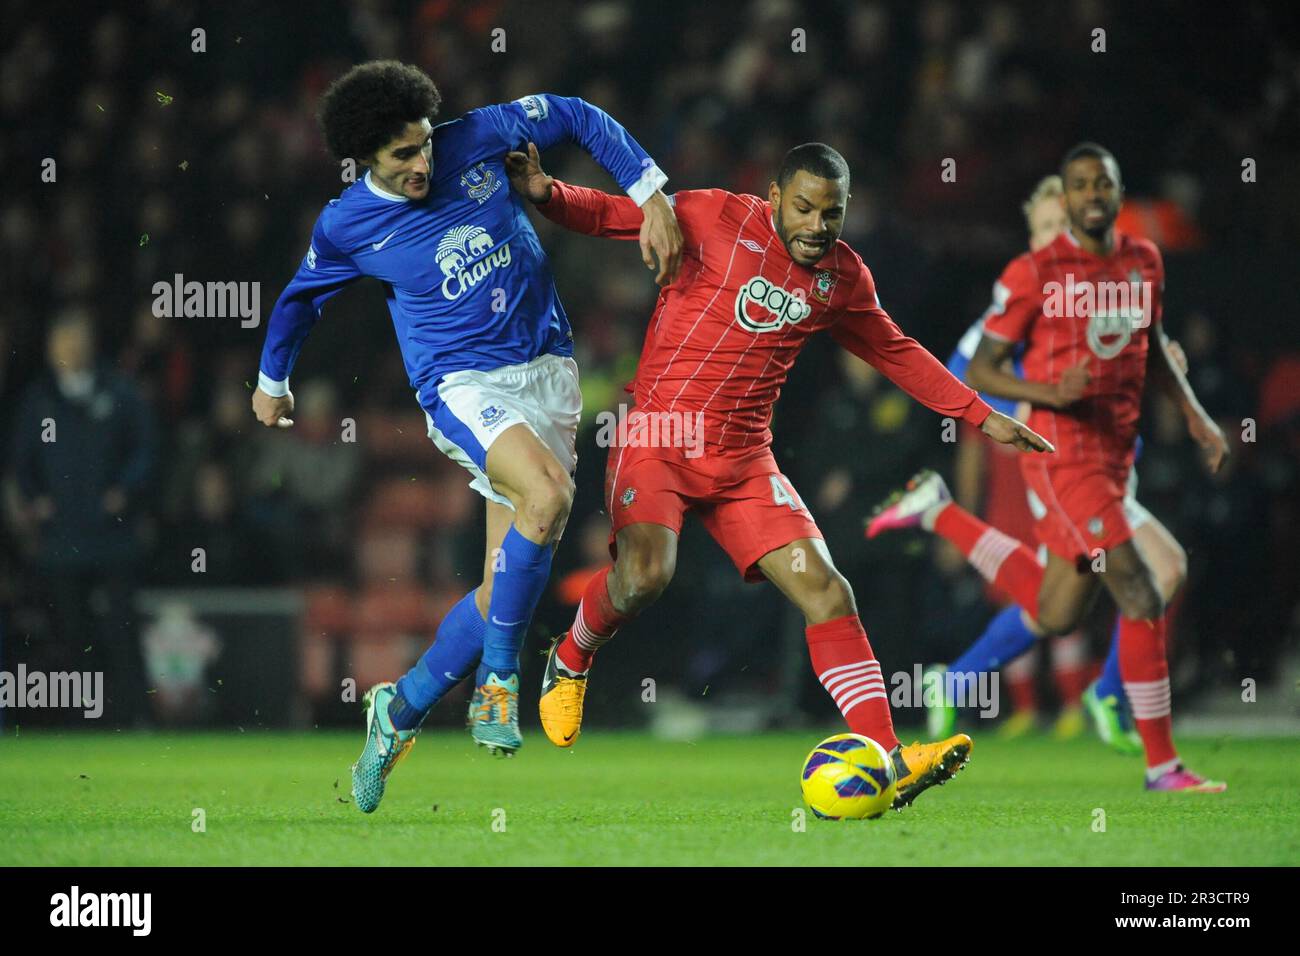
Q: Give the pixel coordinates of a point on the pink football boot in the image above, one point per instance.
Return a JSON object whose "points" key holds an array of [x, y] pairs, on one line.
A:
{"points": [[906, 507], [1182, 780]]}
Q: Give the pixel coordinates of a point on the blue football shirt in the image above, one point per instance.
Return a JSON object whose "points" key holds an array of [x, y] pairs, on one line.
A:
{"points": [[467, 282]]}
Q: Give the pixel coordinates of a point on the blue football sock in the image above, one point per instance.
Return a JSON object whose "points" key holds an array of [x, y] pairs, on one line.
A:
{"points": [[455, 650], [1005, 639], [517, 586]]}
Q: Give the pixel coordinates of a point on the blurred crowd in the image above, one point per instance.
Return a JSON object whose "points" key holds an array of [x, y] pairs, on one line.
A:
{"points": [[208, 163]]}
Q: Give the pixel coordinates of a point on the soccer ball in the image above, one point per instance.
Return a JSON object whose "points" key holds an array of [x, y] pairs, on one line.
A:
{"points": [[848, 776]]}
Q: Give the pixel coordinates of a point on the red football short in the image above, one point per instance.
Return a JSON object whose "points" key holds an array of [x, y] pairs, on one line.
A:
{"points": [[1077, 508], [740, 496]]}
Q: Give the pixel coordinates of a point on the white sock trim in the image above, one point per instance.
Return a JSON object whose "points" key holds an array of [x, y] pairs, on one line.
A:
{"points": [[1160, 769]]}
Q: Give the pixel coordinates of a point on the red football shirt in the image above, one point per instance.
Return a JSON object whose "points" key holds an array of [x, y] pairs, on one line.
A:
{"points": [[724, 335], [1066, 305]]}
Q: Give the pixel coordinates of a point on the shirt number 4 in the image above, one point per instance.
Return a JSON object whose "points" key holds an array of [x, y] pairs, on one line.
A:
{"points": [[783, 496]]}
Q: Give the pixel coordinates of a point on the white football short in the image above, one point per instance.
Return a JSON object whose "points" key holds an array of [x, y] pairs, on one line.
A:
{"points": [[473, 408]]}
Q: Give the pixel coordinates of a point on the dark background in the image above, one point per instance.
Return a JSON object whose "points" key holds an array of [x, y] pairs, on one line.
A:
{"points": [[210, 165]]}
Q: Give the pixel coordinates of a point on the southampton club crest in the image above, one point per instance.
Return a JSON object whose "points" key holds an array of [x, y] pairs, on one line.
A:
{"points": [[823, 285], [628, 496]]}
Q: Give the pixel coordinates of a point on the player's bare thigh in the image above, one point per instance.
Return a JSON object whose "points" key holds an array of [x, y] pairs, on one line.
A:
{"points": [[1163, 555], [646, 562], [804, 572], [1131, 583], [524, 470], [1064, 596]]}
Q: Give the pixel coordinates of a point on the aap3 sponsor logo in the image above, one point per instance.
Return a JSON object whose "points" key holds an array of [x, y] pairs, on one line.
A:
{"points": [[763, 306], [1113, 309]]}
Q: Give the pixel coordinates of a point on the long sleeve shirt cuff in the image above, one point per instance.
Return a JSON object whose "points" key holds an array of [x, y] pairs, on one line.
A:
{"points": [[271, 386], [651, 181], [977, 411]]}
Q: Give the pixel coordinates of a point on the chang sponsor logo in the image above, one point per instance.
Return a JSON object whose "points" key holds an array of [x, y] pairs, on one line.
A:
{"points": [[467, 256]]}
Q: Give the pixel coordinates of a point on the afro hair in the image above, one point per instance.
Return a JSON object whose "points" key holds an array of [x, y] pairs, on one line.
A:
{"points": [[370, 105]]}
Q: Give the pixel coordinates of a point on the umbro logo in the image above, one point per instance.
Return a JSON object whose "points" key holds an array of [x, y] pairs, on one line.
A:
{"points": [[751, 245]]}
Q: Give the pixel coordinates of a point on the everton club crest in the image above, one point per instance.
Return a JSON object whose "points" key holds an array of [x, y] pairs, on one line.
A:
{"points": [[480, 182]]}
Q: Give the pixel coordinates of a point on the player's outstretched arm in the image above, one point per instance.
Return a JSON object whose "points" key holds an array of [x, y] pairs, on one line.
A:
{"points": [[324, 272], [596, 213], [1007, 431], [986, 373], [1168, 374], [866, 330]]}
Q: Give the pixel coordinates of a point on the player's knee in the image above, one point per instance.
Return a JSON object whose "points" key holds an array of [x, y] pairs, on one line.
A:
{"points": [[643, 579], [828, 598], [546, 504], [1139, 598], [1055, 622], [1172, 572], [1146, 604]]}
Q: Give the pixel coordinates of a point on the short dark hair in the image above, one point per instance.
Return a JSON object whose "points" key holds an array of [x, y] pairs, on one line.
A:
{"points": [[816, 158], [1093, 150], [371, 104]]}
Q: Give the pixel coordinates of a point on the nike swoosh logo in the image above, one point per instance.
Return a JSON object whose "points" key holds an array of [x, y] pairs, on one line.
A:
{"points": [[505, 623], [568, 737], [379, 245], [449, 675]]}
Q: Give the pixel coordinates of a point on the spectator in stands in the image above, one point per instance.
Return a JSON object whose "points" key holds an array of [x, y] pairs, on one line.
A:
{"points": [[83, 458]]}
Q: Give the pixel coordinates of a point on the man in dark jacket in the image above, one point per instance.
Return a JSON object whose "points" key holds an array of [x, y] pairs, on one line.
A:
{"points": [[84, 451]]}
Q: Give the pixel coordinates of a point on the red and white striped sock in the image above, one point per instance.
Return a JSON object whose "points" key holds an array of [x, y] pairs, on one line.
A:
{"points": [[1070, 667], [595, 623], [1003, 561], [844, 663], [1145, 672], [1022, 683]]}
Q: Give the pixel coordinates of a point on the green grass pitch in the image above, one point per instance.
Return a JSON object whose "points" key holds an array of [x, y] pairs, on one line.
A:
{"points": [[617, 798]]}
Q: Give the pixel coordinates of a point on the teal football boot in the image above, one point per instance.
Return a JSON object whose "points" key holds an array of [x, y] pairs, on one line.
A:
{"points": [[494, 715], [385, 746]]}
